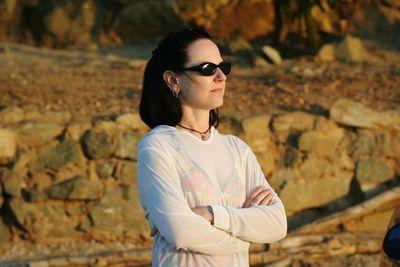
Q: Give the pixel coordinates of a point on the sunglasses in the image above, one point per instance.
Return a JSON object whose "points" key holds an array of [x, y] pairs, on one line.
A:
{"points": [[208, 68]]}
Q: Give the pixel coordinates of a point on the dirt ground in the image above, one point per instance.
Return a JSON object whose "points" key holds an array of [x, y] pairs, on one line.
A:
{"points": [[109, 82], [103, 83]]}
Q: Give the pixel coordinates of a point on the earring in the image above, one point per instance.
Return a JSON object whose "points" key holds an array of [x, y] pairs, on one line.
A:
{"points": [[176, 93]]}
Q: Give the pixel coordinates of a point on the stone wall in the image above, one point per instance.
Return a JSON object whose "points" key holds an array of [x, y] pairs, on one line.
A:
{"points": [[63, 179]]}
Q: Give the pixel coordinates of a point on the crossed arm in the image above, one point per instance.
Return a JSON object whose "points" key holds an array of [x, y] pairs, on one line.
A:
{"points": [[182, 227]]}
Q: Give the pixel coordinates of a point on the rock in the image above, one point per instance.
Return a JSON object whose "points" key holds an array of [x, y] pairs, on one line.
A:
{"points": [[75, 131], [127, 146], [105, 168], [130, 120], [259, 61], [376, 222], [256, 132], [10, 115], [321, 143], [348, 112], [351, 49], [97, 145], [372, 143], [144, 19], [111, 128], [8, 146], [118, 211], [284, 176], [40, 132], [239, 45], [327, 53], [230, 125], [68, 22], [11, 183], [5, 234], [309, 190], [371, 172], [246, 19], [20, 166], [272, 54], [76, 188], [57, 157], [125, 172], [324, 124], [60, 117], [294, 122], [290, 156], [43, 221], [322, 19]]}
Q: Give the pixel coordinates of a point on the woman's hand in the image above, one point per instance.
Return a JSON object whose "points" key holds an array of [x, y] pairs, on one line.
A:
{"points": [[204, 212], [260, 196]]}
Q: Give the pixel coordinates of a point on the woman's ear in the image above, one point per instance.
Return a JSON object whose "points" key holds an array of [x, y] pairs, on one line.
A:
{"points": [[171, 80]]}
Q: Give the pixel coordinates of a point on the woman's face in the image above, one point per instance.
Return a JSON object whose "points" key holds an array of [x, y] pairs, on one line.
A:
{"points": [[198, 91]]}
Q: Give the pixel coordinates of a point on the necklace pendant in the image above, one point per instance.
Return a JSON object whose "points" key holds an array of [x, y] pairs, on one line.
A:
{"points": [[203, 137]]}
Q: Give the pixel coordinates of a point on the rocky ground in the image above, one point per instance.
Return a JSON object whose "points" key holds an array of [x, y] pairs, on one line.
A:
{"points": [[108, 82]]}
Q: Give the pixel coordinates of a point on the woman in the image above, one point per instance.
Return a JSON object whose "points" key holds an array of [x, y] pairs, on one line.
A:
{"points": [[203, 193]]}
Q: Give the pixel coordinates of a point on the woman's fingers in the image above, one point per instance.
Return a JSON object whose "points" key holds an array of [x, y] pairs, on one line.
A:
{"points": [[252, 196], [268, 199], [263, 197], [260, 196]]}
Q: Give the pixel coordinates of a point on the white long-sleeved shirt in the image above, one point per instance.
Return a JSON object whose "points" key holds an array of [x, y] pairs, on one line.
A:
{"points": [[176, 172]]}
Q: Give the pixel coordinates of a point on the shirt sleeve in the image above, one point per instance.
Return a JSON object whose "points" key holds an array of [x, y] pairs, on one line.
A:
{"points": [[167, 209], [258, 224]]}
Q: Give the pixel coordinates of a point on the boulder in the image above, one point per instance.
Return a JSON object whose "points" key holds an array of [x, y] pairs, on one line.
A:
{"points": [[130, 120], [105, 168], [327, 53], [144, 19], [10, 115], [5, 234], [75, 131], [76, 188], [301, 193], [43, 221], [8, 146], [321, 143], [125, 171], [12, 183], [351, 113], [372, 143], [117, 211], [57, 157], [372, 172], [97, 144], [351, 49], [39, 132], [294, 122], [239, 45], [60, 117], [376, 222], [67, 22], [245, 19], [127, 146], [272, 54], [256, 132]]}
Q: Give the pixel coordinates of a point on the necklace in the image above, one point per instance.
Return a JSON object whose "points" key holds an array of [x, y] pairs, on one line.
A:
{"points": [[203, 134]]}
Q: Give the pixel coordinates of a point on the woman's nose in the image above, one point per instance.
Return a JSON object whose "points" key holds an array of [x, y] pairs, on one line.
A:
{"points": [[219, 75]]}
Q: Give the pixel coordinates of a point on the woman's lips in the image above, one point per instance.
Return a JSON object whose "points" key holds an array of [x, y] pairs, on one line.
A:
{"points": [[216, 90]]}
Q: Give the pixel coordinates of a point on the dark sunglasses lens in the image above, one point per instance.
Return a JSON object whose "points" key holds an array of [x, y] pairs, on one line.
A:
{"points": [[225, 67], [208, 69]]}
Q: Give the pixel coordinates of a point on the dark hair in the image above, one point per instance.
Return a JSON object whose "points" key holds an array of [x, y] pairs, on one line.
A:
{"points": [[157, 104]]}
